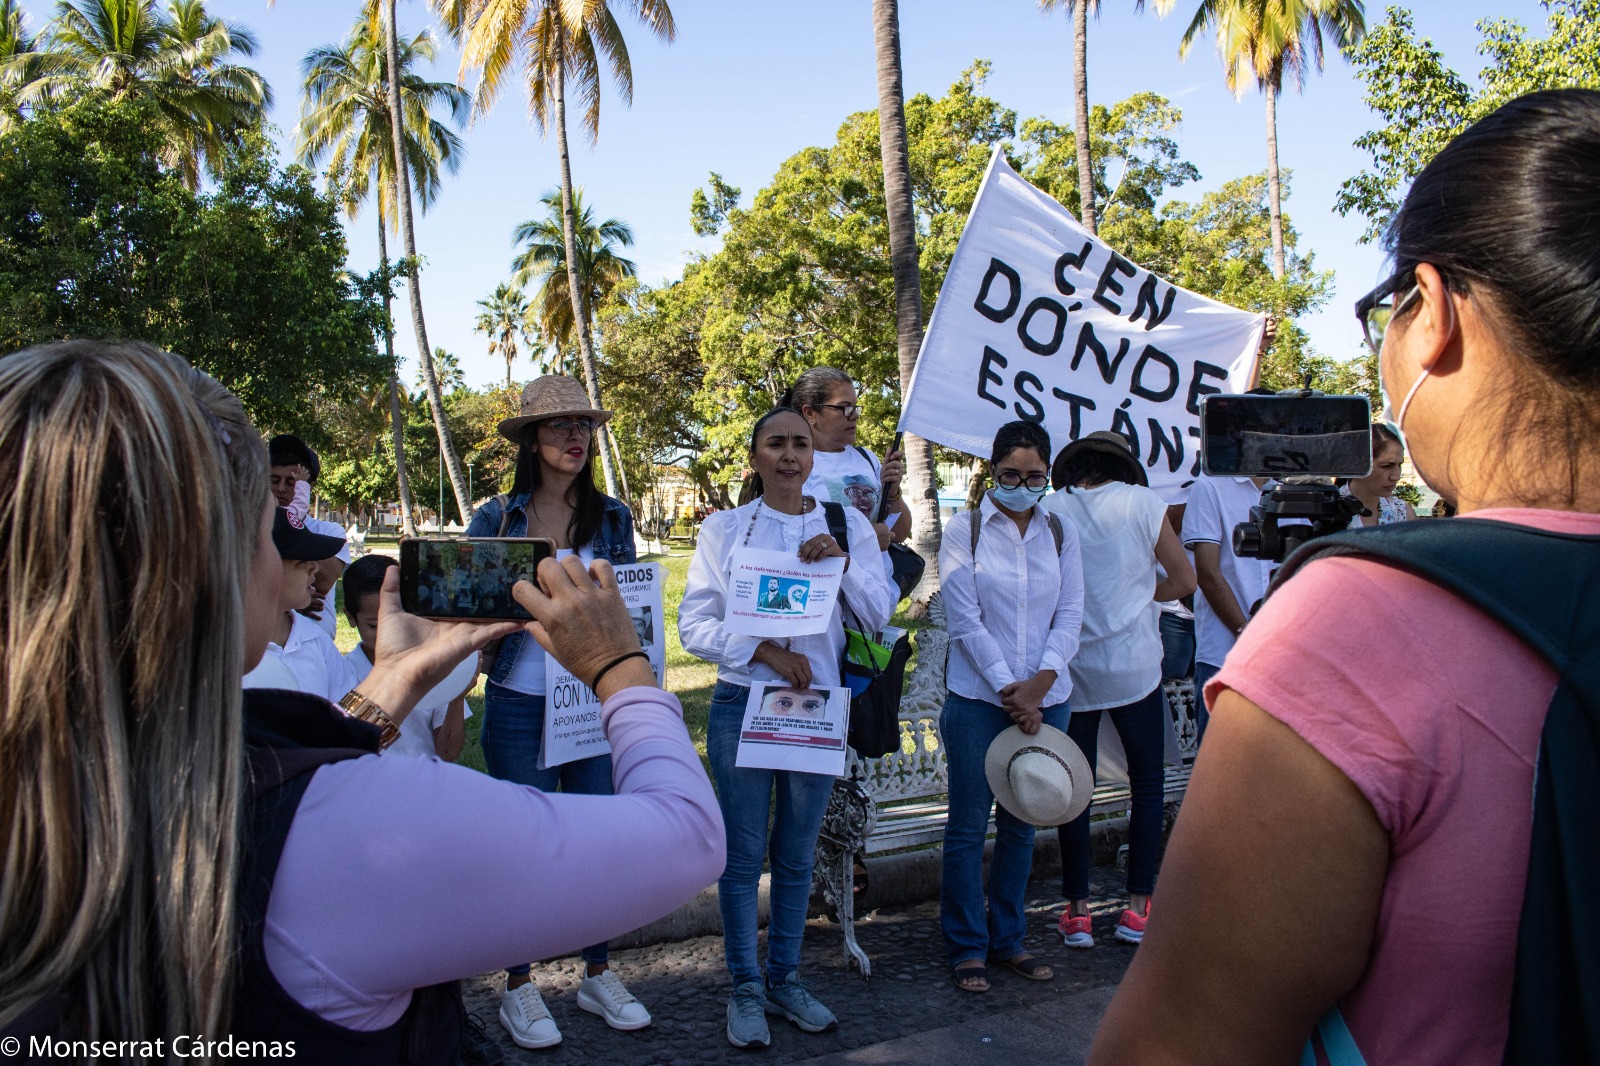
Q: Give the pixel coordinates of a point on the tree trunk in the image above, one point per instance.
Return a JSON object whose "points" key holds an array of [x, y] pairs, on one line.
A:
{"points": [[397, 417], [1274, 187], [1080, 92], [920, 489], [569, 226], [403, 202]]}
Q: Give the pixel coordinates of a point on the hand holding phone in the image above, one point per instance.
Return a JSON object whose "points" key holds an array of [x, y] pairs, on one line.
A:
{"points": [[468, 577]]}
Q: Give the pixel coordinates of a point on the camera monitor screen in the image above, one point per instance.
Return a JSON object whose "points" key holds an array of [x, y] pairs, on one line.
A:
{"points": [[1286, 436], [467, 578]]}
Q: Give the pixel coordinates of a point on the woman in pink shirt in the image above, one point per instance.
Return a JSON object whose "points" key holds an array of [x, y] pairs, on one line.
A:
{"points": [[1356, 833]]}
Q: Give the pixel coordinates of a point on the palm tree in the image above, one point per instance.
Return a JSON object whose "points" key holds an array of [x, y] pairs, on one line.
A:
{"points": [[1081, 10], [561, 42], [504, 319], [1264, 40], [543, 261], [447, 372], [16, 51], [923, 497], [177, 60], [344, 115]]}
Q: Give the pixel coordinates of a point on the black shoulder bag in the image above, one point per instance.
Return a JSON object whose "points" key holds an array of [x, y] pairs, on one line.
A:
{"points": [[875, 689]]}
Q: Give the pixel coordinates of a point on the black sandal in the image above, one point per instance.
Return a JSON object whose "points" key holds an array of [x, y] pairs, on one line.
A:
{"points": [[1030, 966], [979, 972]]}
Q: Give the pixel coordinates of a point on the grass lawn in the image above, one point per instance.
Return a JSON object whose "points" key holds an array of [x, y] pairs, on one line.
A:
{"points": [[687, 676]]}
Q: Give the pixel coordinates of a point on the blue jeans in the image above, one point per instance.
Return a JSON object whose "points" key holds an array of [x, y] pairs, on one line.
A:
{"points": [[972, 931], [512, 737], [1177, 645], [746, 798], [1142, 725], [1203, 673]]}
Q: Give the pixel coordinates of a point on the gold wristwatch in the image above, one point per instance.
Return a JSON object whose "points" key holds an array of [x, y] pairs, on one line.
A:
{"points": [[359, 706]]}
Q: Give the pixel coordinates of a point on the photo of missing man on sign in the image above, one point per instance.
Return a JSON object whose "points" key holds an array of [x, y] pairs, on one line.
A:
{"points": [[791, 728]]}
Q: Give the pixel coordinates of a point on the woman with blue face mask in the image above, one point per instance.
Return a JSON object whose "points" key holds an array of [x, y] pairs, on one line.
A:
{"points": [[1013, 594]]}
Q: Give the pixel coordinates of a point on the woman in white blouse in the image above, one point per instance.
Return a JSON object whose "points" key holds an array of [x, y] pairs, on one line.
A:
{"points": [[1123, 533], [1014, 606], [781, 518]]}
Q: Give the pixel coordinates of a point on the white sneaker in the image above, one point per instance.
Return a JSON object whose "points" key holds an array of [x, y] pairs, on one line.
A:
{"points": [[527, 1019], [606, 996]]}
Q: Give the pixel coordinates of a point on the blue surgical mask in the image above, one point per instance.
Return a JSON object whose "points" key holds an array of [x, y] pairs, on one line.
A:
{"points": [[1020, 498]]}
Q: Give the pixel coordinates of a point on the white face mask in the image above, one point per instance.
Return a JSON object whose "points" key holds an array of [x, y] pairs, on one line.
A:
{"points": [[1019, 497]]}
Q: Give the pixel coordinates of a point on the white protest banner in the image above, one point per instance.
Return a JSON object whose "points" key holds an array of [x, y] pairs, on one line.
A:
{"points": [[571, 709], [787, 728], [774, 594], [1040, 320]]}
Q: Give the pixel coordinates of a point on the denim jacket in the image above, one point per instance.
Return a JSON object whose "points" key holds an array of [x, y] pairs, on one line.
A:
{"points": [[613, 542]]}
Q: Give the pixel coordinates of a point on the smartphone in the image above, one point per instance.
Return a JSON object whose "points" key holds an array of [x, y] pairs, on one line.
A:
{"points": [[1284, 436], [468, 577]]}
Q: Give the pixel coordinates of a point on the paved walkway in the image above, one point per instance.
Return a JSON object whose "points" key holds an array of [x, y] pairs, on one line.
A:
{"points": [[909, 1012]]}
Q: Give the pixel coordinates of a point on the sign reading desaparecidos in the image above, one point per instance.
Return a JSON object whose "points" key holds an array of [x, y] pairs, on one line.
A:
{"points": [[571, 709], [1040, 320]]}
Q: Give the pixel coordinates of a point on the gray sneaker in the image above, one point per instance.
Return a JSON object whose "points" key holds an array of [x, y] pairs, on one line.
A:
{"points": [[794, 1001], [747, 1022]]}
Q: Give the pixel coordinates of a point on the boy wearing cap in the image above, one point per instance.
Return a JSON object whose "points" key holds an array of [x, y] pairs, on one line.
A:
{"points": [[300, 655], [293, 469]]}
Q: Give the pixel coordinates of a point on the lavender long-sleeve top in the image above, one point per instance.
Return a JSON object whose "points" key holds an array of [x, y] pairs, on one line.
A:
{"points": [[401, 873]]}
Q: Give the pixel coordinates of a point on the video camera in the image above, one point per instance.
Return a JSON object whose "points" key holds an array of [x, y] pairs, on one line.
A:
{"points": [[1302, 439]]}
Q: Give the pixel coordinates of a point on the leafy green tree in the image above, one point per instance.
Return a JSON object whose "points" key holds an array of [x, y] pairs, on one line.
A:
{"points": [[543, 262], [1423, 103], [504, 320], [560, 44], [16, 45], [248, 282], [177, 59], [447, 372], [1265, 41]]}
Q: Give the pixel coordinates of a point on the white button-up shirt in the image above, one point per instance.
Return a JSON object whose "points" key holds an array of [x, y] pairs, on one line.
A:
{"points": [[1015, 609], [1216, 505], [308, 657]]}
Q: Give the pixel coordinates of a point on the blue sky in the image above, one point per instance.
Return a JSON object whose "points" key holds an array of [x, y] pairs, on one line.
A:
{"points": [[750, 82]]}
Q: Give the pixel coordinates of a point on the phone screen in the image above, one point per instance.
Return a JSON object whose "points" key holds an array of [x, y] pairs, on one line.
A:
{"points": [[459, 577], [1283, 436]]}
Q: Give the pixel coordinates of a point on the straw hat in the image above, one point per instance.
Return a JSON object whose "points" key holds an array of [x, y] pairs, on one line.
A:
{"points": [[1043, 779], [1105, 441], [551, 396]]}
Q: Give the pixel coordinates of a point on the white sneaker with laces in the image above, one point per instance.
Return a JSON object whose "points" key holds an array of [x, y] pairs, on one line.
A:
{"points": [[606, 996], [527, 1019]]}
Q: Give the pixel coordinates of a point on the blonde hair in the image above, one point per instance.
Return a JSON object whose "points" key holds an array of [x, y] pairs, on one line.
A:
{"points": [[134, 492]]}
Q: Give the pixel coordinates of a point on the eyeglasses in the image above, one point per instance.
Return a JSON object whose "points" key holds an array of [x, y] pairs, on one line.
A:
{"points": [[1010, 479], [563, 426], [849, 410], [1378, 308]]}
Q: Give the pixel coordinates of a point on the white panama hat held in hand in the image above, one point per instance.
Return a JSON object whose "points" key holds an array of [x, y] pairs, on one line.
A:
{"points": [[1043, 779]]}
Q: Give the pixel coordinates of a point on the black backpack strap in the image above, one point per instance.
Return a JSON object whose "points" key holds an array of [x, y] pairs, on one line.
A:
{"points": [[1545, 588], [1052, 519], [838, 528]]}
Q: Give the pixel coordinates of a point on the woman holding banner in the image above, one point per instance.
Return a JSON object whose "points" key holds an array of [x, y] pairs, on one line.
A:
{"points": [[782, 518], [553, 495], [1013, 594]]}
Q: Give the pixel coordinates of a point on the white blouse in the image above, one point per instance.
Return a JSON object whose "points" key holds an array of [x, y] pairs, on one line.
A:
{"points": [[865, 589], [1014, 610]]}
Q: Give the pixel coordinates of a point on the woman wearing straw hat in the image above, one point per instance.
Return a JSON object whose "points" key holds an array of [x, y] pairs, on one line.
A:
{"points": [[553, 495], [1123, 534], [1013, 593]]}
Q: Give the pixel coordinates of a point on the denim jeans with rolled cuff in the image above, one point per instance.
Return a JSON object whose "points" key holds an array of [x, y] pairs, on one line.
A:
{"points": [[512, 738], [1142, 725], [746, 796], [973, 927]]}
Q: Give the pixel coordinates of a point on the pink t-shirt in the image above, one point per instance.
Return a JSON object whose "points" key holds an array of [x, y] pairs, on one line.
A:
{"points": [[1434, 711]]}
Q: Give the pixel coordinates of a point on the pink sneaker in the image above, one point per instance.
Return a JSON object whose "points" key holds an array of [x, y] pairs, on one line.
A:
{"points": [[1130, 926], [1075, 930]]}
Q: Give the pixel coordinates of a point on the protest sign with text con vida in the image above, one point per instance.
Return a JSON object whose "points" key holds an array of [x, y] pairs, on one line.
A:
{"points": [[1040, 320]]}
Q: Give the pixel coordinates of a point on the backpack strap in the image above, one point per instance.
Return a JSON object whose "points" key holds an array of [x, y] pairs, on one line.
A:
{"points": [[1545, 588], [504, 500], [1051, 518], [838, 528]]}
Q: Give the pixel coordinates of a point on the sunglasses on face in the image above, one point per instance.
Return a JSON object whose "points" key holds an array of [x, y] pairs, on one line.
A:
{"points": [[563, 426], [1378, 308]]}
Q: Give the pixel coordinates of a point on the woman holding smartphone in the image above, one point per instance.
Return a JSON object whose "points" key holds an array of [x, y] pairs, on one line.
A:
{"points": [[781, 518], [553, 496]]}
